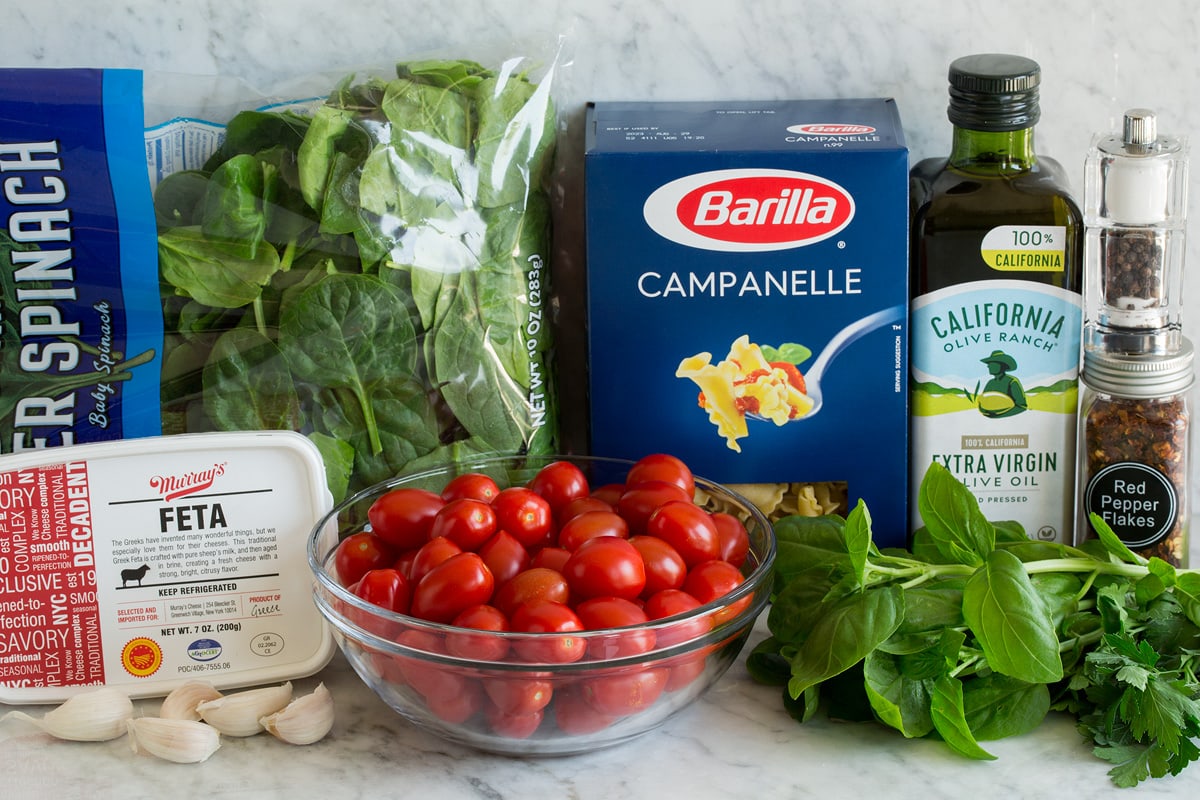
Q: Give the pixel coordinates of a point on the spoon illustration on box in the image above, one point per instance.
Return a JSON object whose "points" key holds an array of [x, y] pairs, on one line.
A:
{"points": [[750, 385]]}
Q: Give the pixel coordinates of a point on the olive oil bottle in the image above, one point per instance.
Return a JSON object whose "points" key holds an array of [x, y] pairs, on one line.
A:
{"points": [[996, 265]]}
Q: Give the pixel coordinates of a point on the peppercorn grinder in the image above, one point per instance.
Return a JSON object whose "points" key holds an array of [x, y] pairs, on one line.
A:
{"points": [[1135, 217]]}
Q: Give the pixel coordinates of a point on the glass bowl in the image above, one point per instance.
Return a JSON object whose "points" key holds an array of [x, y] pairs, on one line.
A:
{"points": [[518, 705]]}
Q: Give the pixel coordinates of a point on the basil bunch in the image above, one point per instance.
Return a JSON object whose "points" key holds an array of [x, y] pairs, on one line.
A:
{"points": [[979, 632], [365, 273]]}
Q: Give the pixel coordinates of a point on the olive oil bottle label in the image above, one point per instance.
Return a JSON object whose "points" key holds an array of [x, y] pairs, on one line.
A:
{"points": [[994, 387]]}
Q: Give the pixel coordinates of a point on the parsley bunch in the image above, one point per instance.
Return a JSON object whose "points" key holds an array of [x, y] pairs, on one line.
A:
{"points": [[977, 632]]}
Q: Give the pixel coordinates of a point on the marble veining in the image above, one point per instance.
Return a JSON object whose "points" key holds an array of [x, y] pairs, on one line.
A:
{"points": [[1098, 58]]}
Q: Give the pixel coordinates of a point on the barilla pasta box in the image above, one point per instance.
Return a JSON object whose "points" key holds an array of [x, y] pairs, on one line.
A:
{"points": [[747, 297]]}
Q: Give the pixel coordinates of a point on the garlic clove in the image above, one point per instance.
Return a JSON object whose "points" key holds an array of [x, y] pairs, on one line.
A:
{"points": [[183, 741], [238, 714], [92, 716], [181, 703], [305, 720]]}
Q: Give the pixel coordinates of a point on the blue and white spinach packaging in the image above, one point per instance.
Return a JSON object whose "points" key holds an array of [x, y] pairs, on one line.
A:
{"points": [[748, 297]]}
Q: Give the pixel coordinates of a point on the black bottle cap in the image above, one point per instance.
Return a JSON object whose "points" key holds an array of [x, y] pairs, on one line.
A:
{"points": [[994, 92]]}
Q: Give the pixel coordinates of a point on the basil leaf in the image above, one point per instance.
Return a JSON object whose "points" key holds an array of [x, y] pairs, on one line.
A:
{"points": [[899, 701], [949, 718], [952, 517], [845, 634], [1011, 623], [997, 706]]}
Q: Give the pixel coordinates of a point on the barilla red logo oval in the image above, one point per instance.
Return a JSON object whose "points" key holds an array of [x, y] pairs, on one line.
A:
{"points": [[831, 129], [748, 210]]}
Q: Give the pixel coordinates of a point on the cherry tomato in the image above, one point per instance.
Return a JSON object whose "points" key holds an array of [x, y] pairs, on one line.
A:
{"points": [[504, 556], [360, 552], [600, 613], [605, 566], [459, 707], [684, 670], [518, 696], [546, 616], [554, 558], [662, 467], [625, 693], [590, 525], [637, 503], [402, 517], [560, 482], [432, 553], [404, 561], [610, 493], [580, 505], [512, 726], [665, 568], [712, 579], [575, 716], [479, 647], [386, 588], [471, 485], [535, 583], [688, 528], [456, 584], [669, 603], [468, 523], [426, 678], [734, 540], [523, 513]]}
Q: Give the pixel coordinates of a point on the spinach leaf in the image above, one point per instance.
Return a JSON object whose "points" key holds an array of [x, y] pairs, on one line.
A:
{"points": [[214, 272], [351, 332], [247, 385]]}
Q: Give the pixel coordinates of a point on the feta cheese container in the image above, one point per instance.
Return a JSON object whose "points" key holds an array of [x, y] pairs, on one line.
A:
{"points": [[145, 563]]}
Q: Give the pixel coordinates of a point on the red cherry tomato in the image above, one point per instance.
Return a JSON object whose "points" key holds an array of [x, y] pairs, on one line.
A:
{"points": [[554, 558], [518, 696], [504, 556], [426, 678], [578, 506], [456, 584], [665, 568], [404, 561], [625, 693], [560, 482], [402, 517], [546, 616], [662, 467], [386, 588], [605, 566], [434, 552], [360, 552], [669, 603], [471, 485], [712, 579], [688, 528], [590, 525], [733, 538], [512, 726], [574, 716], [600, 613], [523, 513], [478, 646], [610, 493], [684, 670], [637, 503], [468, 523], [459, 707], [535, 583]]}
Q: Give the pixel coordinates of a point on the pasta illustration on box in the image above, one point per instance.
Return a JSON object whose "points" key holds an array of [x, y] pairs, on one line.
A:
{"points": [[753, 381]]}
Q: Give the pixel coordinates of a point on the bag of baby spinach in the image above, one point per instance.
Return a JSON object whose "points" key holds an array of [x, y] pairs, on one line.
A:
{"points": [[367, 265]]}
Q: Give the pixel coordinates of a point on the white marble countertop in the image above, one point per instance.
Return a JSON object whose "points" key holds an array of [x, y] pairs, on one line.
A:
{"points": [[737, 741]]}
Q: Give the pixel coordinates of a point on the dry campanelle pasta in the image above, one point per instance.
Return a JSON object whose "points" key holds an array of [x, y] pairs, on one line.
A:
{"points": [[779, 500]]}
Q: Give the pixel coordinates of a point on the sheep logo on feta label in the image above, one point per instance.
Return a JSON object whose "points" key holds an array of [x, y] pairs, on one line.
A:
{"points": [[173, 487], [747, 210]]}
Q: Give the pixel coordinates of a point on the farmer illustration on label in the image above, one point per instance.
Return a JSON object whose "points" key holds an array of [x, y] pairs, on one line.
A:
{"points": [[1002, 395]]}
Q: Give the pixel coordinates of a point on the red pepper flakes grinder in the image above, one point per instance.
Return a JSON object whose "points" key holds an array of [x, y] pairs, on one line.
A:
{"points": [[1135, 410]]}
